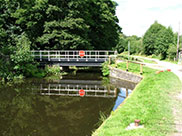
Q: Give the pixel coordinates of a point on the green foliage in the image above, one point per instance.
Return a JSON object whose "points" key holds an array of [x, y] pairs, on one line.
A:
{"points": [[21, 59], [150, 38], [157, 40], [19, 63], [105, 69], [72, 24], [136, 46], [172, 52], [52, 70], [122, 44]]}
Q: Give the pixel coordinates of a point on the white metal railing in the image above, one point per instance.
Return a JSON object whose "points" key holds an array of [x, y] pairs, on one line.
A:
{"points": [[73, 90], [59, 55]]}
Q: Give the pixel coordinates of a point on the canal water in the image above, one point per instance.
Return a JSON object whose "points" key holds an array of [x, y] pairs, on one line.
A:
{"points": [[42, 107]]}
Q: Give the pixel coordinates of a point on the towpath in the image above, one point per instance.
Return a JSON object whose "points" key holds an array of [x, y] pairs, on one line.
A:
{"points": [[177, 103]]}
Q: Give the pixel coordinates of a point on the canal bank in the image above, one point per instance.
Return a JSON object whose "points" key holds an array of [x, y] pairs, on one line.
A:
{"points": [[150, 102]]}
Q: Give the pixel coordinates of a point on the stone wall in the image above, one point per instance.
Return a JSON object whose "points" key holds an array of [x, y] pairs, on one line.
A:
{"points": [[120, 74], [116, 82]]}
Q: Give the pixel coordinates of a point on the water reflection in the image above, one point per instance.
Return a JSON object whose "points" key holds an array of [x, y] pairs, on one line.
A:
{"points": [[46, 107], [92, 88], [123, 93]]}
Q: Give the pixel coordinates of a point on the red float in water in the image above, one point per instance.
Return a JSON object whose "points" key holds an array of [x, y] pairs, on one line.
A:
{"points": [[169, 70], [82, 53], [81, 92]]}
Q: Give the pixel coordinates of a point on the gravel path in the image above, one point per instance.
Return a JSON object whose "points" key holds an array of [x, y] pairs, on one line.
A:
{"points": [[177, 106]]}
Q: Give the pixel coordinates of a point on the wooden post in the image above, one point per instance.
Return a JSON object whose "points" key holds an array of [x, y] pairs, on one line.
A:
{"points": [[126, 92], [127, 65], [141, 69]]}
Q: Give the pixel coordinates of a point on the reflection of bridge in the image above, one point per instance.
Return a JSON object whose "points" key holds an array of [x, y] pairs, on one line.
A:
{"points": [[72, 57], [72, 87]]}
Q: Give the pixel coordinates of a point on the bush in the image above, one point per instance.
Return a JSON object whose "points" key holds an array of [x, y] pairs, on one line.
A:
{"points": [[105, 69], [171, 52], [52, 70], [16, 62]]}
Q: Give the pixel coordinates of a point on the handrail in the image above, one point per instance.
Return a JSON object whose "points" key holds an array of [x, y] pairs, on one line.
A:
{"points": [[72, 54], [76, 50]]}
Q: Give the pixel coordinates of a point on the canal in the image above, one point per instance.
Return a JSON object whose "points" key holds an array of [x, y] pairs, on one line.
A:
{"points": [[54, 107]]}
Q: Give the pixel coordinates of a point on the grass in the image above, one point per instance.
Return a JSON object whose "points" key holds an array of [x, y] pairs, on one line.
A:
{"points": [[134, 68], [136, 59], [151, 102], [148, 61]]}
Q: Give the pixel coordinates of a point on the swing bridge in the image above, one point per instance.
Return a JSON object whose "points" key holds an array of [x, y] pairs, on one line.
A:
{"points": [[73, 57]]}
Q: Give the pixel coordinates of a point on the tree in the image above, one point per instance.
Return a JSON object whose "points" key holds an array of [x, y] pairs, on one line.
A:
{"points": [[103, 23], [164, 40], [172, 52], [135, 44], [71, 24], [122, 44], [150, 38], [157, 40]]}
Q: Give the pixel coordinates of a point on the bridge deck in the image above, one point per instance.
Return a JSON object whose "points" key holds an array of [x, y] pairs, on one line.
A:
{"points": [[72, 57]]}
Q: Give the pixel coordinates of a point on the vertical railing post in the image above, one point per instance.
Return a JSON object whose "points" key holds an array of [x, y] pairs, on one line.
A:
{"points": [[65, 54], [59, 55], [96, 55], [48, 55], [49, 89], [86, 55], [68, 56], [56, 55], [105, 55], [77, 54], [59, 89], [73, 54], [40, 53]]}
